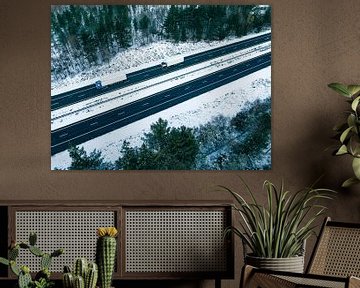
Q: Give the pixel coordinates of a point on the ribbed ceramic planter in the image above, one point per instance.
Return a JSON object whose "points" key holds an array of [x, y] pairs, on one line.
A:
{"points": [[291, 264]]}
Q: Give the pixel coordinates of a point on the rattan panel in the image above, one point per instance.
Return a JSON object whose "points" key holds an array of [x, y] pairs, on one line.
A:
{"points": [[175, 241], [75, 231], [312, 282], [338, 253]]}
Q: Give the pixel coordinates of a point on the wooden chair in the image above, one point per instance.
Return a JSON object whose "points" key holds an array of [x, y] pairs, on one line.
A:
{"points": [[334, 263]]}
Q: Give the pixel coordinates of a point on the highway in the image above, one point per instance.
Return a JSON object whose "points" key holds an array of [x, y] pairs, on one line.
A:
{"points": [[86, 92], [106, 122]]}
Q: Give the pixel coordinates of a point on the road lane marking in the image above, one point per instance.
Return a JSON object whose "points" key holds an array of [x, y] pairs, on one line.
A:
{"points": [[63, 135], [204, 81], [116, 121], [94, 123]]}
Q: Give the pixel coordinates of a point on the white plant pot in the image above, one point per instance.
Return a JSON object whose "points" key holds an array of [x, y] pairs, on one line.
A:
{"points": [[291, 264]]}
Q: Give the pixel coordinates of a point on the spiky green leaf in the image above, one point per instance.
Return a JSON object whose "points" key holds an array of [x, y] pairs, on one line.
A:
{"points": [[340, 88]]}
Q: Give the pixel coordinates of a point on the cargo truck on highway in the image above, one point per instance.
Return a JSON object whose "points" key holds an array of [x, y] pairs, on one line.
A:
{"points": [[172, 61], [110, 79]]}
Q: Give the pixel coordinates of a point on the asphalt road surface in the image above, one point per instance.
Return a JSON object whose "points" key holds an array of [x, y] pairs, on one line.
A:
{"points": [[86, 92], [103, 123]]}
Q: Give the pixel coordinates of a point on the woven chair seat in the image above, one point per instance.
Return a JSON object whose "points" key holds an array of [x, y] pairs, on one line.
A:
{"points": [[335, 262]]}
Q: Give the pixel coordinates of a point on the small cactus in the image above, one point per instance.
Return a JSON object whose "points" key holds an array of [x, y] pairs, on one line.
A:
{"points": [[79, 282], [14, 268], [32, 238], [36, 251], [91, 276], [68, 280], [23, 273], [24, 280], [81, 267], [45, 261], [106, 254], [57, 252], [43, 274], [13, 253]]}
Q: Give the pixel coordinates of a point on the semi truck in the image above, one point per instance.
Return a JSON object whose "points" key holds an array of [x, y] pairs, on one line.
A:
{"points": [[172, 61], [110, 79]]}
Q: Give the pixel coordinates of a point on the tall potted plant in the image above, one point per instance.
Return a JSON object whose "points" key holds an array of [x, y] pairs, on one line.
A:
{"points": [[348, 132], [275, 233]]}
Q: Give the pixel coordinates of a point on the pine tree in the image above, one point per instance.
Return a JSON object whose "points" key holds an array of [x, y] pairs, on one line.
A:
{"points": [[171, 23], [164, 148], [81, 161]]}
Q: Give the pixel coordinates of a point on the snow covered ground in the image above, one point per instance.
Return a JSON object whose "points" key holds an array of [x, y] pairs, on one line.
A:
{"points": [[226, 100], [138, 58]]}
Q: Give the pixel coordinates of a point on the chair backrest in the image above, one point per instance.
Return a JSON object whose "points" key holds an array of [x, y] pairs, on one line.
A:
{"points": [[337, 251]]}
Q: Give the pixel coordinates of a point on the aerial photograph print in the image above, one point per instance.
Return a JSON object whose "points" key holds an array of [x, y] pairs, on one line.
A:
{"points": [[160, 87]]}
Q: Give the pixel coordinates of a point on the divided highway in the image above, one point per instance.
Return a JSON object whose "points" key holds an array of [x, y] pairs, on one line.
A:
{"points": [[103, 123], [86, 92]]}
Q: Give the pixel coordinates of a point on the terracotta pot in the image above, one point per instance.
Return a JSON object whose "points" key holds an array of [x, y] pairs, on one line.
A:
{"points": [[291, 264]]}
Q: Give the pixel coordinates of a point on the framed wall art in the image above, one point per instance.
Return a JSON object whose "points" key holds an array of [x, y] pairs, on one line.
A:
{"points": [[160, 87]]}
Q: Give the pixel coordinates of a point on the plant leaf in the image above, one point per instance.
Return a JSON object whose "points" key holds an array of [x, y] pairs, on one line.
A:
{"points": [[342, 150], [354, 145], [349, 182], [345, 134], [351, 120], [355, 103], [356, 167], [353, 89], [340, 88]]}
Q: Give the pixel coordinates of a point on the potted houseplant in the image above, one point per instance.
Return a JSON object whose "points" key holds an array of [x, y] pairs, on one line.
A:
{"points": [[276, 233], [42, 278], [348, 132]]}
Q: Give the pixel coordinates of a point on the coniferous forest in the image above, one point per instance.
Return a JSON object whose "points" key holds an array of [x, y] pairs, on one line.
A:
{"points": [[84, 36]]}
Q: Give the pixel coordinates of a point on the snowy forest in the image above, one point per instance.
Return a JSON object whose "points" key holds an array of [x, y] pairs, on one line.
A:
{"points": [[85, 36]]}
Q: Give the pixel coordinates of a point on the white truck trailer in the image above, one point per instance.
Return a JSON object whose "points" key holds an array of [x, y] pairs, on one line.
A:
{"points": [[172, 61], [110, 79]]}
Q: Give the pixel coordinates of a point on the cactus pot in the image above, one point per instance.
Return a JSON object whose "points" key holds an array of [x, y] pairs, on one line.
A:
{"points": [[291, 264]]}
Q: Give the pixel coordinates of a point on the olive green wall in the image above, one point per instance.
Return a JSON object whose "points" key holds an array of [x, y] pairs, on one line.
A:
{"points": [[314, 43]]}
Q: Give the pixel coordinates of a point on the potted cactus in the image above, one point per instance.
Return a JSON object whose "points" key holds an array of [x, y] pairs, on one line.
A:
{"points": [[106, 254], [84, 275], [42, 278]]}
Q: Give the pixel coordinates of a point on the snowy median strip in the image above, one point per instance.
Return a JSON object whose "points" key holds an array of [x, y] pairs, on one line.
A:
{"points": [[91, 107]]}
